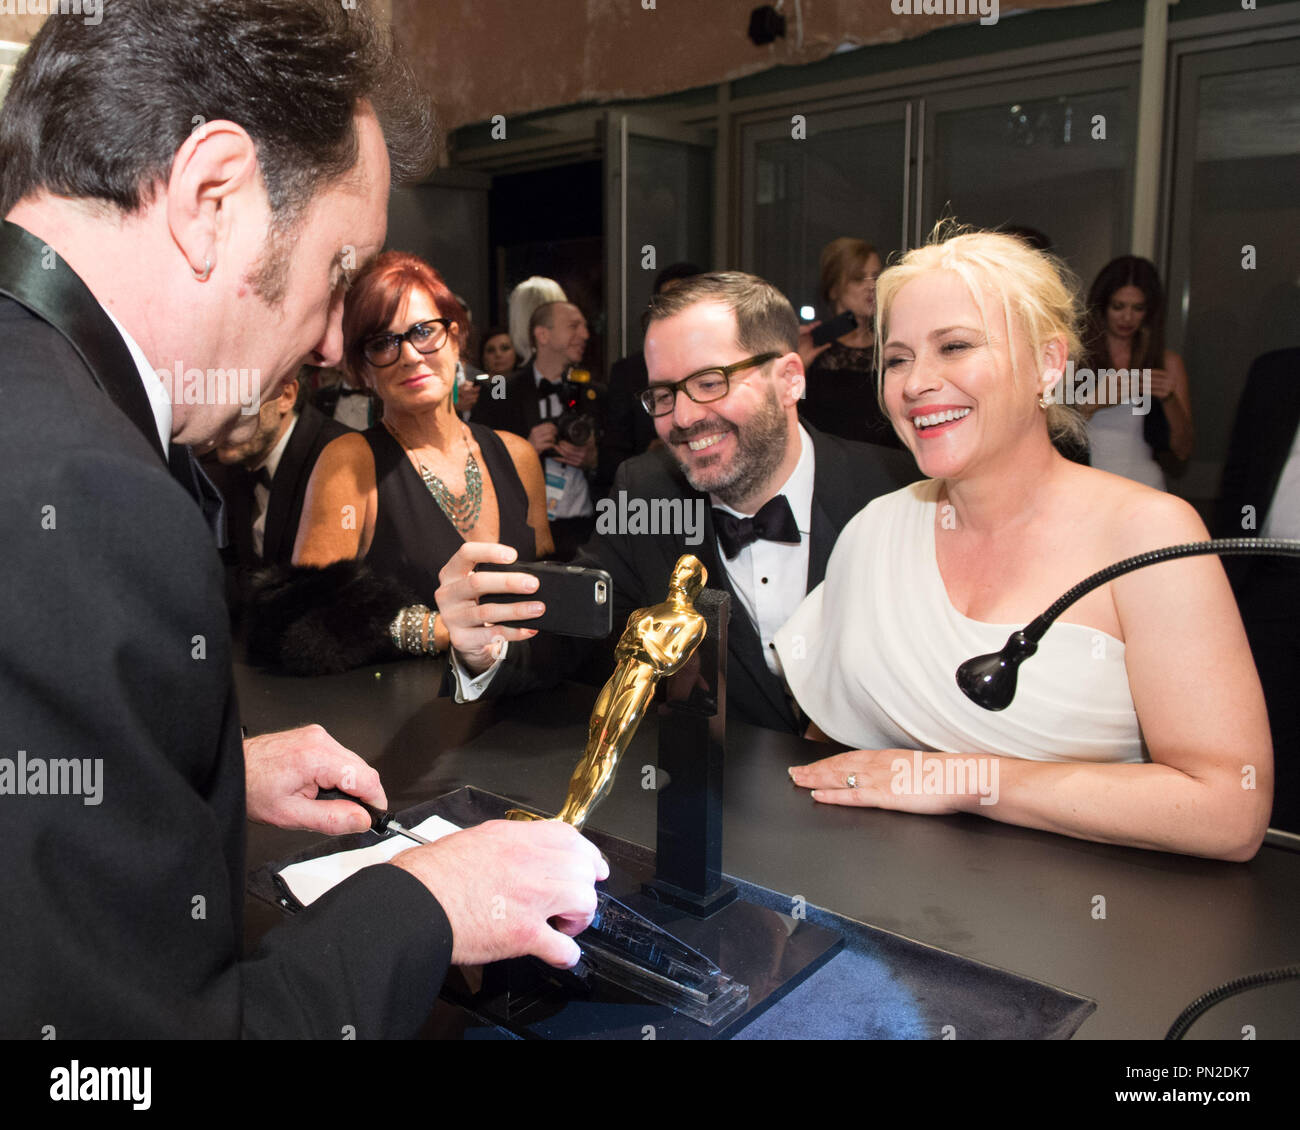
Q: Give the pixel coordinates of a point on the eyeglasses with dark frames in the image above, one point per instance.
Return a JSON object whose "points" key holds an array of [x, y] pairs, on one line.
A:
{"points": [[428, 336], [702, 387]]}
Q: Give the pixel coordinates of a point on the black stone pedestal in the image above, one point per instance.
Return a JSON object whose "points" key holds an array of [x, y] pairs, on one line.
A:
{"points": [[763, 949], [692, 707]]}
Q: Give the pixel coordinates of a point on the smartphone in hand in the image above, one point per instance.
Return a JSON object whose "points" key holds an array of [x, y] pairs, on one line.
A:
{"points": [[579, 602], [837, 327]]}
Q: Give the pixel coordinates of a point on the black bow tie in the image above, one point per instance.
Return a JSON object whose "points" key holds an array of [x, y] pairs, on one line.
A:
{"points": [[262, 476], [774, 522]]}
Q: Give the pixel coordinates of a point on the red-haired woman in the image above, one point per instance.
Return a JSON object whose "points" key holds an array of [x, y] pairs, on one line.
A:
{"points": [[387, 507]]}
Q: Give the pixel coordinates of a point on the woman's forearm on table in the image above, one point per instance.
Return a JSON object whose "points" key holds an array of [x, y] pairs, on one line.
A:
{"points": [[1145, 805]]}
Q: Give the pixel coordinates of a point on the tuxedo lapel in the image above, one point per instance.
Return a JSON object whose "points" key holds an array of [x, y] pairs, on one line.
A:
{"points": [[821, 540], [828, 507], [239, 515], [59, 297], [707, 550], [285, 485], [187, 471]]}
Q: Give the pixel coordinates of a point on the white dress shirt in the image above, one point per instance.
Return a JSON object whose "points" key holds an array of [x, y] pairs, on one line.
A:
{"points": [[771, 578], [354, 411], [567, 493], [153, 386]]}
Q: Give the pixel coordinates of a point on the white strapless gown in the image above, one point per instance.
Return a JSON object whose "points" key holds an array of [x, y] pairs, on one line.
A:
{"points": [[1115, 435], [872, 653]]}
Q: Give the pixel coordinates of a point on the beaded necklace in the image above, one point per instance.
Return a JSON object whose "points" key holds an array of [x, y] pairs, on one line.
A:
{"points": [[462, 510]]}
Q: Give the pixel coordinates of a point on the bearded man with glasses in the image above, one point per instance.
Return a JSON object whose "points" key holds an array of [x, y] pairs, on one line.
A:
{"points": [[726, 380]]}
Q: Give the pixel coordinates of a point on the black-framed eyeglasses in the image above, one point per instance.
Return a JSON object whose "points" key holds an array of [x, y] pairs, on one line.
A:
{"points": [[429, 336], [702, 387]]}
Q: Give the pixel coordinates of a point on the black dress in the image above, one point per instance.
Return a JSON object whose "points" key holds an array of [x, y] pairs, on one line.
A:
{"points": [[413, 537], [318, 621], [841, 397]]}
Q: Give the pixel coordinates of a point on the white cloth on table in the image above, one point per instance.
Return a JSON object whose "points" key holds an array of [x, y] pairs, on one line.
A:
{"points": [[872, 653]]}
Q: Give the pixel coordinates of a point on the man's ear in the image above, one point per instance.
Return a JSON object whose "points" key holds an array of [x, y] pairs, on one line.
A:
{"points": [[214, 163], [288, 396], [790, 378]]}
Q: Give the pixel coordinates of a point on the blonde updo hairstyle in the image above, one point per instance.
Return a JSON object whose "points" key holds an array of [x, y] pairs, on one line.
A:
{"points": [[1037, 292], [524, 299]]}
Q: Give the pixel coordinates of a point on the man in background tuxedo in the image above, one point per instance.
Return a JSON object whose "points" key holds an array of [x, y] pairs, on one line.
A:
{"points": [[771, 492], [355, 408], [536, 396], [138, 258], [263, 481], [629, 430], [1260, 497]]}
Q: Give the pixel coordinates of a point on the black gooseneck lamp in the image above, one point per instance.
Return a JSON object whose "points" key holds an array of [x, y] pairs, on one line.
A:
{"points": [[990, 680]]}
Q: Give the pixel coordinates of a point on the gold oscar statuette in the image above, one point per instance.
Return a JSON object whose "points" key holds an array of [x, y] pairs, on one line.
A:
{"points": [[657, 641]]}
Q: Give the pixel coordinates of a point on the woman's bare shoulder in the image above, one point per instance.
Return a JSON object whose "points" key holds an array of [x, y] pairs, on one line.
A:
{"points": [[1130, 517], [349, 446], [516, 446], [522, 453], [348, 451]]}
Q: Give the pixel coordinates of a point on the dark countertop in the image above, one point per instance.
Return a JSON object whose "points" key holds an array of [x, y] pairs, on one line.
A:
{"points": [[1014, 898]]}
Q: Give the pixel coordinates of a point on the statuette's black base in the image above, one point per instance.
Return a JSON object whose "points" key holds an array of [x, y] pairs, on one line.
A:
{"points": [[761, 949], [699, 906]]}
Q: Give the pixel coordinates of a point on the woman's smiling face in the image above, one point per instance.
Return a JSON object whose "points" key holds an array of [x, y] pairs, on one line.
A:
{"points": [[415, 380], [948, 377]]}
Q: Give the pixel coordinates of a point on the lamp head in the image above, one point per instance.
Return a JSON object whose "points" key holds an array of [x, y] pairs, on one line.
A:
{"points": [[990, 680]]}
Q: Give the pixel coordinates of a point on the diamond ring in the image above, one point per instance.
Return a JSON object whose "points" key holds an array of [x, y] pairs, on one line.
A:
{"points": [[853, 780]]}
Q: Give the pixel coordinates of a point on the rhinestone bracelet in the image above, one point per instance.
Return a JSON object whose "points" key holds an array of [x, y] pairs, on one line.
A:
{"points": [[410, 630]]}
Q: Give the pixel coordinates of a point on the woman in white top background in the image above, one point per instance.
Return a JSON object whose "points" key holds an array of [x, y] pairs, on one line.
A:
{"points": [[1141, 720], [1125, 330]]}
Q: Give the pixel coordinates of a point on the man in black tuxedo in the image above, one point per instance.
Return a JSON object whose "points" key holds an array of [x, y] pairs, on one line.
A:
{"points": [[1260, 497], [137, 273], [263, 481], [771, 496], [354, 408], [536, 396]]}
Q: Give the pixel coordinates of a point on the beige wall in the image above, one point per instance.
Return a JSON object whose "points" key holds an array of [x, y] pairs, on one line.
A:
{"points": [[484, 57]]}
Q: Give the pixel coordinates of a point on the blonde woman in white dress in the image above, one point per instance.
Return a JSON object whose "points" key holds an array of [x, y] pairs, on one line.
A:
{"points": [[1140, 721]]}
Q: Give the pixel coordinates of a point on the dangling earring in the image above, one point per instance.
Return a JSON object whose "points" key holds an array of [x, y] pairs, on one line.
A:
{"points": [[207, 270], [1045, 397]]}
